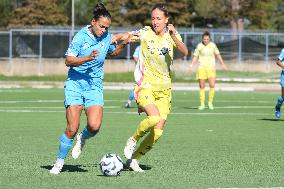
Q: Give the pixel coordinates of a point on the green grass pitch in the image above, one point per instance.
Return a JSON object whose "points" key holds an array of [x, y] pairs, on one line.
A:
{"points": [[239, 144]]}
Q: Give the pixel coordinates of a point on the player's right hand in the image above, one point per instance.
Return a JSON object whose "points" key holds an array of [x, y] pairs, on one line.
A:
{"points": [[94, 54]]}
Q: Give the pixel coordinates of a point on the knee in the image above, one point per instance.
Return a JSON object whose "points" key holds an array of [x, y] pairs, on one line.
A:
{"points": [[71, 131], [94, 127], [154, 120]]}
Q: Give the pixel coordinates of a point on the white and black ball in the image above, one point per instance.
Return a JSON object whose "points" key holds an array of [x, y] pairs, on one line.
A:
{"points": [[111, 165]]}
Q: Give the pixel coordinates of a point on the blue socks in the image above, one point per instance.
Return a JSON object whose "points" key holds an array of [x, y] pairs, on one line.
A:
{"points": [[131, 95], [64, 147], [86, 134], [279, 102], [66, 144]]}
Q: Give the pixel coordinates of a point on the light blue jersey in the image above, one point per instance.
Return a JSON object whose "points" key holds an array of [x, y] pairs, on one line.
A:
{"points": [[84, 85], [281, 58], [83, 43]]}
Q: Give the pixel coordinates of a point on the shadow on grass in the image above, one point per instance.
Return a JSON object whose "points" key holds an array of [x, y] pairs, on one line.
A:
{"points": [[67, 168], [144, 167], [270, 119]]}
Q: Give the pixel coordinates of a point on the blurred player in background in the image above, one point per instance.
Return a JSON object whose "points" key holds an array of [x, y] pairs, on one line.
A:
{"points": [[153, 82], [280, 63], [84, 86], [131, 94], [205, 54]]}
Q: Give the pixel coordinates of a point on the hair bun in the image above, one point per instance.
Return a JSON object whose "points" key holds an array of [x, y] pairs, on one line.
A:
{"points": [[99, 7], [100, 10]]}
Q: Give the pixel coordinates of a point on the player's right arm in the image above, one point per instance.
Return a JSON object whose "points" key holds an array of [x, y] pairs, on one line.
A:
{"points": [[72, 53], [194, 60], [195, 56], [77, 61]]}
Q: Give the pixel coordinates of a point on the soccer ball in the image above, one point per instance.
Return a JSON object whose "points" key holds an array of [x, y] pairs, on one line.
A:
{"points": [[111, 165]]}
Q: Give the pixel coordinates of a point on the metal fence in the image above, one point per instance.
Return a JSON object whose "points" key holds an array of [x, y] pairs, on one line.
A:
{"points": [[52, 43]]}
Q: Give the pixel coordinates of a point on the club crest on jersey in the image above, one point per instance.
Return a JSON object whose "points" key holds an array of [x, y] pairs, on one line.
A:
{"points": [[86, 45]]}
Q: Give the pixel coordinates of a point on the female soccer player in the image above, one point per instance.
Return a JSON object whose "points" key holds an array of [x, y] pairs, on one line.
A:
{"points": [[153, 82], [205, 53], [84, 87], [280, 63]]}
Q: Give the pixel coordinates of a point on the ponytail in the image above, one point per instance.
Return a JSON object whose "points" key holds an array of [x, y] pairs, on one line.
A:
{"points": [[100, 10]]}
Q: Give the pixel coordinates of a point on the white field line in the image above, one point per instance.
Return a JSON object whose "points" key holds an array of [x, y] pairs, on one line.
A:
{"points": [[119, 107], [173, 113], [55, 107], [56, 101], [250, 188]]}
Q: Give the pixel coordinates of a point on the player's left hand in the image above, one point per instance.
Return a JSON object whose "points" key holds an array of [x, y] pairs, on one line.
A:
{"points": [[225, 67], [171, 29]]}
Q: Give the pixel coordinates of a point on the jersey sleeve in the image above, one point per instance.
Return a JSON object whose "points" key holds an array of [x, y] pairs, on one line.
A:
{"points": [[216, 50], [111, 48], [281, 56], [75, 46], [178, 37], [197, 51], [139, 33]]}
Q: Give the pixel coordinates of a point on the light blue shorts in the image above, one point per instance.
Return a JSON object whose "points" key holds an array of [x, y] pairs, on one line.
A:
{"points": [[282, 79], [86, 92]]}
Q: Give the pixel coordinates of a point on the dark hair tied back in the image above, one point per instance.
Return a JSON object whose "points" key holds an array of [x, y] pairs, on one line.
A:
{"points": [[99, 11], [162, 8], [206, 33]]}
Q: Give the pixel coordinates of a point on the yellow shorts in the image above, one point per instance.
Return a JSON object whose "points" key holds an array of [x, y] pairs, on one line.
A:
{"points": [[162, 99], [205, 73]]}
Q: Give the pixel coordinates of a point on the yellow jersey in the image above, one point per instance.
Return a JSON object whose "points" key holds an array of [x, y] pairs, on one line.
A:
{"points": [[155, 57], [206, 54]]}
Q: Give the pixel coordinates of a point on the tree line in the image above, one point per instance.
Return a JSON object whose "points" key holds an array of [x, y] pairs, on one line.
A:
{"points": [[233, 14]]}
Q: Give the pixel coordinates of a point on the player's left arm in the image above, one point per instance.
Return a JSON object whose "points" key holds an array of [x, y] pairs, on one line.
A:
{"points": [[179, 44], [220, 59], [279, 63], [218, 56]]}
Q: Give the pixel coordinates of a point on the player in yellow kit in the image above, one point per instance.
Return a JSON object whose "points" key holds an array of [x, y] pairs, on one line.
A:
{"points": [[153, 82], [205, 53]]}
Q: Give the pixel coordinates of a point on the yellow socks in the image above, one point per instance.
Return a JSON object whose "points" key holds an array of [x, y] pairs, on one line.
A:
{"points": [[145, 125], [147, 143], [211, 95], [202, 97]]}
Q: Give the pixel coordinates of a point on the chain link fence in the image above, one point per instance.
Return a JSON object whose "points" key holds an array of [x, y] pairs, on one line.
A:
{"points": [[235, 48]]}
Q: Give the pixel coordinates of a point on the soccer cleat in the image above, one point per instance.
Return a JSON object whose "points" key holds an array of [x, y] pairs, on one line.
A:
{"points": [[201, 107], [76, 151], [134, 165], [56, 169], [277, 112], [210, 106], [129, 147], [127, 105]]}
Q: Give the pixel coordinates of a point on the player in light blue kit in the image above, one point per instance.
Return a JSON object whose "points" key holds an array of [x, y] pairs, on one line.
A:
{"points": [[131, 94], [84, 86], [280, 63]]}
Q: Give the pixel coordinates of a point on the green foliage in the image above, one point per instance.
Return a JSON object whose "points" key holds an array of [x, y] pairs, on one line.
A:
{"points": [[118, 12], [139, 12], [84, 11], [6, 12], [40, 12], [258, 14], [268, 15]]}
